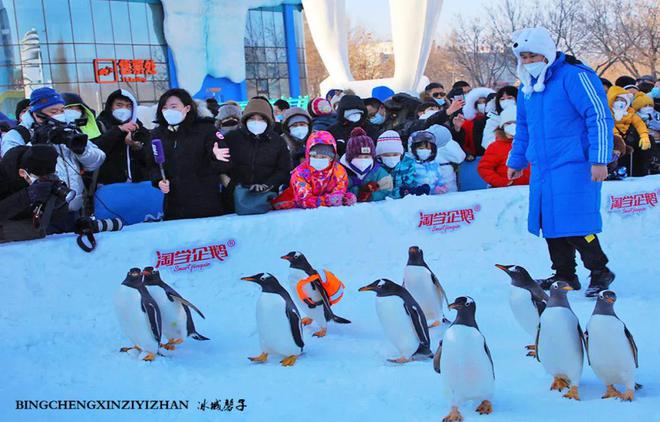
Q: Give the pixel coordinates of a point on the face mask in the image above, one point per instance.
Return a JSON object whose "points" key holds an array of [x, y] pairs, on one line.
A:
{"points": [[423, 154], [319, 163], [59, 117], [535, 69], [72, 115], [427, 114], [481, 108], [377, 119], [299, 131], [440, 101], [362, 163], [279, 117], [510, 129], [122, 114], [173, 117], [353, 115], [27, 120], [655, 92], [257, 127], [618, 114], [507, 103], [391, 162], [619, 105]]}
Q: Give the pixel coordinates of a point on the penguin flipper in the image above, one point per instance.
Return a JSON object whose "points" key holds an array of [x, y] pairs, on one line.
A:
{"points": [[437, 357], [190, 326], [295, 323], [438, 286], [633, 345], [173, 295], [583, 341], [150, 307], [539, 305], [419, 322], [187, 304], [490, 358], [327, 311], [536, 342], [538, 294]]}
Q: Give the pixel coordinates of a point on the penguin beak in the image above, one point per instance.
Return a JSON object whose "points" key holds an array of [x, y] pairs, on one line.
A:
{"points": [[286, 257], [250, 278], [366, 288], [454, 306], [567, 288], [504, 268], [610, 300]]}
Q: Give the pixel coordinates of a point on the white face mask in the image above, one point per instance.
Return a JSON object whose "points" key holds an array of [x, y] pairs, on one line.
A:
{"points": [[481, 108], [510, 129], [507, 103], [353, 115], [362, 163], [59, 117], [620, 105], [535, 69], [423, 154], [319, 163], [27, 120], [427, 114], [123, 114], [72, 115], [299, 131], [646, 113], [256, 127], [172, 116], [391, 162]]}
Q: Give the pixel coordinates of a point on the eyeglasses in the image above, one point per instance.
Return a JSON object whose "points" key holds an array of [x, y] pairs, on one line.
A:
{"points": [[438, 94]]}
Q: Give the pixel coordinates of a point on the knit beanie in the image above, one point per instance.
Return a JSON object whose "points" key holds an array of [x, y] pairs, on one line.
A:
{"points": [[44, 97], [537, 41], [296, 115], [228, 110], [359, 143], [389, 141], [21, 105], [260, 106], [319, 107]]}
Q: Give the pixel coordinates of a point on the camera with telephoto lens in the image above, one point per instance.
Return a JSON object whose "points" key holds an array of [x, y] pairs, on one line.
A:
{"points": [[87, 226], [51, 186], [61, 133]]}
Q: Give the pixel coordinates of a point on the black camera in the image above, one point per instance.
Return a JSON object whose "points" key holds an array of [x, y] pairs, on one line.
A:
{"points": [[61, 133], [87, 226]]}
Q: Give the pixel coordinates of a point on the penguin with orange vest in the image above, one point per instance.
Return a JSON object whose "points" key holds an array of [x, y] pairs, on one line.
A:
{"points": [[314, 294]]}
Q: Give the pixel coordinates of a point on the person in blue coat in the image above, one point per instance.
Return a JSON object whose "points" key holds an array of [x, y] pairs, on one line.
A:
{"points": [[565, 130]]}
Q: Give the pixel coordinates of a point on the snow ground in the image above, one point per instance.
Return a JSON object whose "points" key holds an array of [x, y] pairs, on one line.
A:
{"points": [[61, 336]]}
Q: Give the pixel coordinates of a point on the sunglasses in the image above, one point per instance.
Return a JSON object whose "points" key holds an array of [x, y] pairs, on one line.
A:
{"points": [[438, 94]]}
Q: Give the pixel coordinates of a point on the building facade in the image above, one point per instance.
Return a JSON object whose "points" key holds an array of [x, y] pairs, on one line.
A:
{"points": [[93, 47]]}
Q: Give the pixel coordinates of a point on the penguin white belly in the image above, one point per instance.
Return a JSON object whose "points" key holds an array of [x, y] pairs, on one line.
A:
{"points": [[466, 371], [524, 310], [273, 325], [172, 314], [560, 347], [133, 321], [397, 325], [610, 353], [315, 313], [417, 280]]}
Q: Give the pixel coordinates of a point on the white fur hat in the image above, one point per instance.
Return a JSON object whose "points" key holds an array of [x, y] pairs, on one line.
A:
{"points": [[470, 107], [537, 41], [508, 115]]}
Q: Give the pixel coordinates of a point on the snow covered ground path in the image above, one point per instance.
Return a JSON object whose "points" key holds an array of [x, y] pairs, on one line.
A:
{"points": [[61, 337]]}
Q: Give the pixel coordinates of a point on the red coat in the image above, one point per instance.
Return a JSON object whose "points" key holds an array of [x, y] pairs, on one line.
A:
{"points": [[492, 166]]}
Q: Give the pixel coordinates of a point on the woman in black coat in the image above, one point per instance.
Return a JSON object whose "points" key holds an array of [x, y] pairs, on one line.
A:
{"points": [[195, 156]]}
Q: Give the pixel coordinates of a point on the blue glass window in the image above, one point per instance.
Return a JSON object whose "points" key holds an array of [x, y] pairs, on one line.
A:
{"points": [[81, 18]]}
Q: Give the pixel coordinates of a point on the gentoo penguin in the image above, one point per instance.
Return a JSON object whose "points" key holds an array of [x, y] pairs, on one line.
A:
{"points": [[402, 319], [139, 316], [527, 300], [424, 286], [319, 308], [611, 348], [174, 310], [278, 321], [559, 341], [464, 361]]}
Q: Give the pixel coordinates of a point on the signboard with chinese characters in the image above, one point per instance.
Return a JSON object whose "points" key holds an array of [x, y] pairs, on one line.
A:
{"points": [[194, 259], [447, 221], [633, 203], [107, 71]]}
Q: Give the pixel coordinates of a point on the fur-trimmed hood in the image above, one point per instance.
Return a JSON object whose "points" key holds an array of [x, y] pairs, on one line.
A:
{"points": [[470, 107]]}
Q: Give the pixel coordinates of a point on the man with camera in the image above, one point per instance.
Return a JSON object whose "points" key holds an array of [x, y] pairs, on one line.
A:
{"points": [[75, 154]]}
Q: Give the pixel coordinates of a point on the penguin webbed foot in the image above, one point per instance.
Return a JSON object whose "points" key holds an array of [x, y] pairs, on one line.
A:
{"points": [[453, 416], [198, 337], [306, 321], [531, 353], [149, 357], [168, 346], [559, 384], [400, 360], [259, 359], [289, 360], [434, 324], [611, 392], [321, 333], [628, 395], [485, 408], [572, 393], [127, 349]]}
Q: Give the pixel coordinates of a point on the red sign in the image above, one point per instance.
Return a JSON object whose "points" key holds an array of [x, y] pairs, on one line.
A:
{"points": [[107, 71], [194, 259], [447, 221], [633, 203]]}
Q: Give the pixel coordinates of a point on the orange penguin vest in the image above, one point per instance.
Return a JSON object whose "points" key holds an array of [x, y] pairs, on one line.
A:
{"points": [[333, 287]]}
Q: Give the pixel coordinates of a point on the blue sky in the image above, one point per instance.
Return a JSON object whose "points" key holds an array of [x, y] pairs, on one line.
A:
{"points": [[375, 16]]}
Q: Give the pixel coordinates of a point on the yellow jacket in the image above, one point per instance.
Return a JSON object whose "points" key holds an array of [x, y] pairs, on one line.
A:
{"points": [[630, 118]]}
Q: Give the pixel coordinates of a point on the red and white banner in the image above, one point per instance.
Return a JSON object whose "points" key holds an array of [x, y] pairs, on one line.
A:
{"points": [[633, 203], [194, 259], [444, 221]]}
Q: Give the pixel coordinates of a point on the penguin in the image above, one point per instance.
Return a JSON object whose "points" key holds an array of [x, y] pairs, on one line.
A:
{"points": [[424, 286], [174, 310], [559, 341], [319, 311], [402, 319], [527, 300], [464, 361], [138, 315], [278, 321], [611, 348]]}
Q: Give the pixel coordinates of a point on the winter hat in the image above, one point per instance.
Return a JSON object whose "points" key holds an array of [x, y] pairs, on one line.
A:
{"points": [[624, 81], [442, 135], [641, 100], [295, 115], [359, 143], [44, 97], [227, 111], [389, 141], [470, 107], [324, 149], [382, 92], [508, 115], [260, 106], [21, 105], [538, 41], [39, 160], [319, 107]]}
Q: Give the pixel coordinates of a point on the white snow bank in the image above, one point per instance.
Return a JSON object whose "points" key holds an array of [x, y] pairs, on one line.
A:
{"points": [[61, 338]]}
